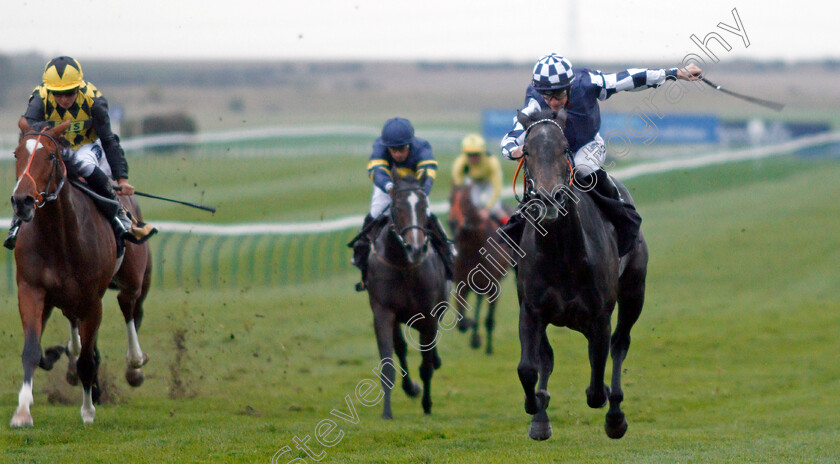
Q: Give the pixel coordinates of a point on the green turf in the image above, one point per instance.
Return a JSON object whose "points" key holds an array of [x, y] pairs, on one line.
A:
{"points": [[733, 359]]}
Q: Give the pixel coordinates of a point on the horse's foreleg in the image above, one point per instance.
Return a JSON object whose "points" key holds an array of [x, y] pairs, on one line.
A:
{"points": [[31, 306], [475, 340], [490, 324], [383, 323], [530, 334], [410, 387], [599, 345], [465, 322], [629, 309], [427, 366], [540, 428], [86, 364]]}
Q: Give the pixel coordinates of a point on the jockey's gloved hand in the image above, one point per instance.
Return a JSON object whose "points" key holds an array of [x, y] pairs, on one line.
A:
{"points": [[124, 187]]}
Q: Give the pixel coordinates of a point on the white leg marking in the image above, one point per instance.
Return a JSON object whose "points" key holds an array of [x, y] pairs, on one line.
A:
{"points": [[74, 345], [88, 411], [134, 355], [22, 417]]}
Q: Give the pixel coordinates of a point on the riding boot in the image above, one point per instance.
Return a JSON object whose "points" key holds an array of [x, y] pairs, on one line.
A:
{"points": [[621, 214], [13, 232], [361, 250], [443, 245], [121, 223]]}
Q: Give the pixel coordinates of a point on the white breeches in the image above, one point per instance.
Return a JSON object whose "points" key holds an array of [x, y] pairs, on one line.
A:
{"points": [[591, 156], [481, 192], [378, 202], [88, 157]]}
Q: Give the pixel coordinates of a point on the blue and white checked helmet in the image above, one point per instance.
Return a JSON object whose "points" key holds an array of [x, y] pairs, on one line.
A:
{"points": [[553, 72]]}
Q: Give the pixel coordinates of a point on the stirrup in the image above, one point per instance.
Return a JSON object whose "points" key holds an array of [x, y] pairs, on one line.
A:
{"points": [[11, 240], [139, 234]]}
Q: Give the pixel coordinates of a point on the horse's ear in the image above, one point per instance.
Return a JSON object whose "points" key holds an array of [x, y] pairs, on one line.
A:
{"points": [[423, 177], [395, 175], [23, 124], [60, 129], [523, 118], [561, 118]]}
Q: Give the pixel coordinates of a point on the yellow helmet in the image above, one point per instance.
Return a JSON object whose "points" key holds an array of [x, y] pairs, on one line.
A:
{"points": [[473, 143], [63, 73]]}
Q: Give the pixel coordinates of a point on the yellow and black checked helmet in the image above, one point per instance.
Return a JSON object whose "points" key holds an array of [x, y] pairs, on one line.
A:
{"points": [[472, 144], [63, 73]]}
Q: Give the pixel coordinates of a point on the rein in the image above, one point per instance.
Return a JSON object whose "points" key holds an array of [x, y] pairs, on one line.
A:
{"points": [[44, 197]]}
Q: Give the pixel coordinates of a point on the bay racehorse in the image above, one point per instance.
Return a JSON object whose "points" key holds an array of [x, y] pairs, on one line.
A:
{"points": [[65, 257], [481, 262], [571, 276], [406, 283]]}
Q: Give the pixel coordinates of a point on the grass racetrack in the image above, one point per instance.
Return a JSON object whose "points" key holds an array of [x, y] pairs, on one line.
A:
{"points": [[733, 360]]}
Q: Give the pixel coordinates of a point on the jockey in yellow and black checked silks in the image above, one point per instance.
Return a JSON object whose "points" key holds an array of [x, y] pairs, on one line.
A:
{"points": [[89, 113]]}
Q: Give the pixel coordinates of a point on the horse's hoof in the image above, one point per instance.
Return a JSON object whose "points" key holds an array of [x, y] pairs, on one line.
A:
{"points": [[412, 389], [387, 416], [465, 324], [134, 377], [475, 341], [489, 350], [615, 425], [88, 416], [72, 378], [539, 431], [138, 364], [597, 400], [21, 419]]}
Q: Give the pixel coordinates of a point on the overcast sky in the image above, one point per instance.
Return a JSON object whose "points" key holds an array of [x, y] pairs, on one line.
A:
{"points": [[416, 29]]}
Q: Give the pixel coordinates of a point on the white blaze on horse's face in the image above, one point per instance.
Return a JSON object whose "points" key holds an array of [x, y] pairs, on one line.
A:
{"points": [[31, 145], [412, 200]]}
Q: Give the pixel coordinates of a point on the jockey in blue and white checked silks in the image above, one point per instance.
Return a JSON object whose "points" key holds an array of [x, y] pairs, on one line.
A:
{"points": [[557, 85]]}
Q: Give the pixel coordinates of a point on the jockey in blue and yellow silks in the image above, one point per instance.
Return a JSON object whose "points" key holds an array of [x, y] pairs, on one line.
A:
{"points": [[398, 148], [484, 172], [94, 151]]}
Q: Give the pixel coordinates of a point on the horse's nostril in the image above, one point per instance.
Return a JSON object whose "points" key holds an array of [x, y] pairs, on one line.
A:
{"points": [[29, 201]]}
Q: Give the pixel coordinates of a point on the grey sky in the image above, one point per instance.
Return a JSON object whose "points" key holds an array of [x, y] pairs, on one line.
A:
{"points": [[427, 29]]}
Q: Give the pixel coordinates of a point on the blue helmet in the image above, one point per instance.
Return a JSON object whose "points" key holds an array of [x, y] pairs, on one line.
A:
{"points": [[397, 132], [552, 72]]}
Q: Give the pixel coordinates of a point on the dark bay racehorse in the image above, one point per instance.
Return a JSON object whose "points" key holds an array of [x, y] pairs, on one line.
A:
{"points": [[471, 232], [406, 281], [65, 257], [571, 277]]}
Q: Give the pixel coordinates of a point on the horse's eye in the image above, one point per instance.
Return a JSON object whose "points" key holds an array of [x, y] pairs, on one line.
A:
{"points": [[52, 156]]}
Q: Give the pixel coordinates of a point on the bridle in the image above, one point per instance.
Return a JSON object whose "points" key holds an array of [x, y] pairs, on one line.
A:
{"points": [[527, 180], [55, 157], [401, 233]]}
